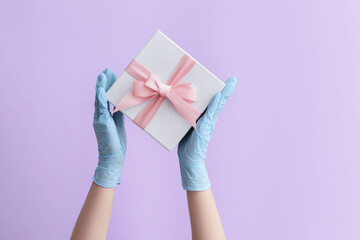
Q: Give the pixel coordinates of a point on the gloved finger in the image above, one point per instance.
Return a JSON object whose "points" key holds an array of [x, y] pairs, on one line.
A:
{"points": [[111, 77], [204, 124], [103, 111], [207, 122], [99, 83], [225, 94]]}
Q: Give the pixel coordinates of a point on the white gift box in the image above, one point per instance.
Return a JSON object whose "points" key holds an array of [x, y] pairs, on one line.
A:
{"points": [[161, 56]]}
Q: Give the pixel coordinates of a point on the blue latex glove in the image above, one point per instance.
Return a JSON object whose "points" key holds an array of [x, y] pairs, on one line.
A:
{"points": [[192, 148], [110, 135]]}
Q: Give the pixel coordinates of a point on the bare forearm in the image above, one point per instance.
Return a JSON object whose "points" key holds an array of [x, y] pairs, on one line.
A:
{"points": [[94, 217], [204, 216]]}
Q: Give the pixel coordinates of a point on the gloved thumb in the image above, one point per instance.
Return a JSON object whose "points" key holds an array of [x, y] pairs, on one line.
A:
{"points": [[119, 119], [225, 94]]}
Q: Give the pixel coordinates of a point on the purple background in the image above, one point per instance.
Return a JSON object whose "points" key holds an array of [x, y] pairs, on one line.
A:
{"points": [[284, 160]]}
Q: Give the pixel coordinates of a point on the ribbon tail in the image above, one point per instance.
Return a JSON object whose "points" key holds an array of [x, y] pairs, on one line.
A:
{"points": [[130, 100], [185, 109], [146, 115]]}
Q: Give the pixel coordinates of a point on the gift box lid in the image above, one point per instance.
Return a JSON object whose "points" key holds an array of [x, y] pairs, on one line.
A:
{"points": [[160, 56]]}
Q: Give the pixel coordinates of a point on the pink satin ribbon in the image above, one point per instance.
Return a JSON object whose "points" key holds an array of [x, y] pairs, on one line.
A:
{"points": [[147, 86]]}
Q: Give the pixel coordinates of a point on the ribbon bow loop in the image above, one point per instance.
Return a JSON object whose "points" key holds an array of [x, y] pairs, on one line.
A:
{"points": [[148, 87], [155, 84]]}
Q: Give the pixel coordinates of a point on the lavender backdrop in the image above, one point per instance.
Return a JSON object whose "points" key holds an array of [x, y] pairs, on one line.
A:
{"points": [[284, 160]]}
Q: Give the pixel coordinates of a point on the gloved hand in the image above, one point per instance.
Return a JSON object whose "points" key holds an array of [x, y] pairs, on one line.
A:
{"points": [[110, 134], [192, 148]]}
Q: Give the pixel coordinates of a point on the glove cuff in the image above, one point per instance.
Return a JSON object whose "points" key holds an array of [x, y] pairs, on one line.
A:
{"points": [[194, 178], [108, 173]]}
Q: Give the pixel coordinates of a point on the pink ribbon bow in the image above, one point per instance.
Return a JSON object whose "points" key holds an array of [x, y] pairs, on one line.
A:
{"points": [[147, 86]]}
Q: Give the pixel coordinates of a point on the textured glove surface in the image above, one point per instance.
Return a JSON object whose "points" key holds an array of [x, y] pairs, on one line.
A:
{"points": [[192, 148], [110, 135]]}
